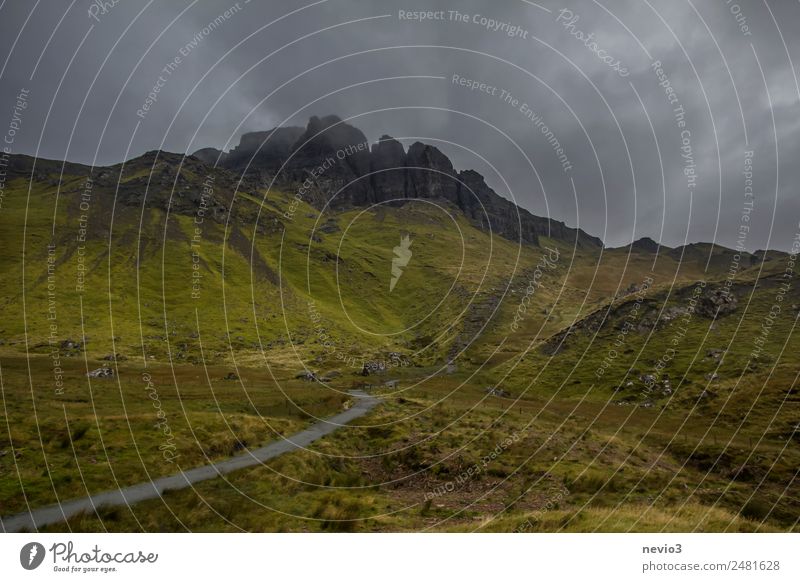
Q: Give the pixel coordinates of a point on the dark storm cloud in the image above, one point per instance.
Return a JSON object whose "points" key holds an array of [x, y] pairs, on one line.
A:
{"points": [[219, 74]]}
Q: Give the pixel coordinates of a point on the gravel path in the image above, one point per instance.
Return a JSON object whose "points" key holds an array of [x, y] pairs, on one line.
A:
{"points": [[31, 521]]}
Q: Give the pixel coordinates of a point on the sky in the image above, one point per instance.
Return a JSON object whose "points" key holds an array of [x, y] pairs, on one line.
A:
{"points": [[672, 120]]}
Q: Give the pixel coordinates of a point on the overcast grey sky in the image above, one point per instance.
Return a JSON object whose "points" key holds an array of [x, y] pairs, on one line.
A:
{"points": [[89, 70]]}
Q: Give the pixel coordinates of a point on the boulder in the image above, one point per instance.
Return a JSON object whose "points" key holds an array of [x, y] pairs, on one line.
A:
{"points": [[373, 367], [68, 344], [307, 376], [716, 303], [673, 312], [495, 391], [631, 289], [101, 373], [330, 226]]}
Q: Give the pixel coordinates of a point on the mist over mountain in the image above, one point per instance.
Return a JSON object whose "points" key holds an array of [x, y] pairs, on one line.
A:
{"points": [[340, 169]]}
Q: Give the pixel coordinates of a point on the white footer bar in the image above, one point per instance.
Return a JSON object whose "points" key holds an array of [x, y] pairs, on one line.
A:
{"points": [[402, 557]]}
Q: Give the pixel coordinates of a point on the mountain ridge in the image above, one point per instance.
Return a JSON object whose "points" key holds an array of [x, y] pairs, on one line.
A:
{"points": [[377, 173], [383, 172]]}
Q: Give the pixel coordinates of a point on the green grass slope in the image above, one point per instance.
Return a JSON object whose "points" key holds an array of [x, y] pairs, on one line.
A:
{"points": [[629, 396]]}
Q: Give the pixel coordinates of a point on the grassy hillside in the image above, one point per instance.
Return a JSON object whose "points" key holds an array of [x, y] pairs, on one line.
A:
{"points": [[632, 390]]}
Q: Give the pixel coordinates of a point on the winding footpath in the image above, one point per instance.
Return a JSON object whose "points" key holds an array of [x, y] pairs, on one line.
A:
{"points": [[56, 513]]}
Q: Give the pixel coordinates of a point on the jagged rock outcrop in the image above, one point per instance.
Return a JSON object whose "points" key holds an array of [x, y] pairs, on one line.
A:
{"points": [[430, 174], [388, 169], [211, 156], [263, 150], [717, 303], [339, 155], [342, 170]]}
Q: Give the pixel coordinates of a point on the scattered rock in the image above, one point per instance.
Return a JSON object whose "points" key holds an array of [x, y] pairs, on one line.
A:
{"points": [[373, 367], [716, 303], [631, 289], [494, 391], [101, 373], [648, 379], [672, 313], [329, 227], [329, 376], [742, 473], [307, 376]]}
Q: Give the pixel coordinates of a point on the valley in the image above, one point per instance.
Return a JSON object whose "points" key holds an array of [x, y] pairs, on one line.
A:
{"points": [[175, 311]]}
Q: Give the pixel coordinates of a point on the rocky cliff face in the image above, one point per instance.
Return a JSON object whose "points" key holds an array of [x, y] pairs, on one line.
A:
{"points": [[336, 160], [388, 166], [262, 151]]}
